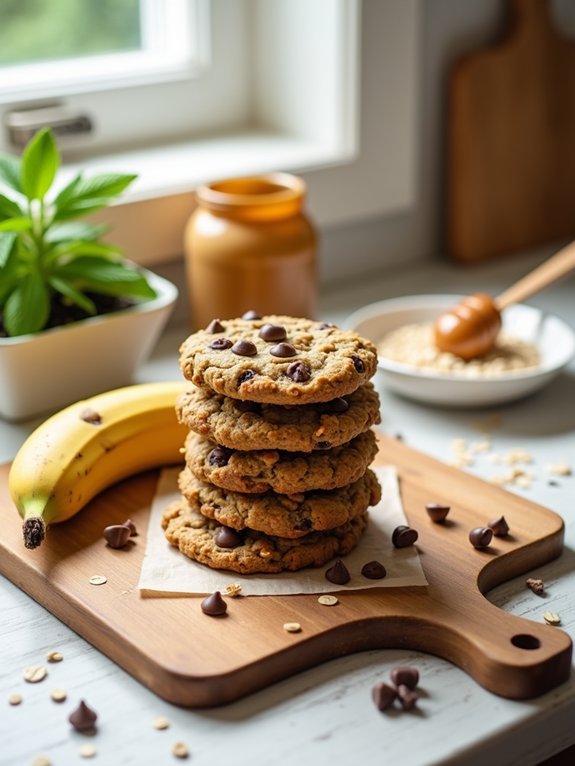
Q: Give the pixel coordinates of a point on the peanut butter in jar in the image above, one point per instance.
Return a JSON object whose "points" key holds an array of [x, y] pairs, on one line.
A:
{"points": [[250, 246]]}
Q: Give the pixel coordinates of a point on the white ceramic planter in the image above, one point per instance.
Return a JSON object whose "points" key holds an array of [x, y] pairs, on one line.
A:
{"points": [[53, 368]]}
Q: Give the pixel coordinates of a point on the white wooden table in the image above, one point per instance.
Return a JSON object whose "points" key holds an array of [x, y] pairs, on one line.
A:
{"points": [[325, 715]]}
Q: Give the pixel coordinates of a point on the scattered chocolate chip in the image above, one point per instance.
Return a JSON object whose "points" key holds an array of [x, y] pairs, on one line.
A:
{"points": [[251, 315], [383, 695], [437, 512], [537, 586], [298, 372], [480, 537], [132, 527], [226, 537], [405, 675], [89, 415], [244, 348], [244, 405], [553, 483], [403, 537], [117, 535], [335, 406], [358, 363], [83, 718], [273, 332], [407, 697], [338, 573], [245, 376], [373, 570], [499, 526], [214, 605], [323, 445], [220, 344], [220, 456], [283, 350], [215, 326]]}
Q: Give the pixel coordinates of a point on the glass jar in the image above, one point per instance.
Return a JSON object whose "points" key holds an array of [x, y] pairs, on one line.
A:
{"points": [[250, 246]]}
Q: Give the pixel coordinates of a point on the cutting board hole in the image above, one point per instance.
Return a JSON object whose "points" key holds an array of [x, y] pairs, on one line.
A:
{"points": [[525, 641]]}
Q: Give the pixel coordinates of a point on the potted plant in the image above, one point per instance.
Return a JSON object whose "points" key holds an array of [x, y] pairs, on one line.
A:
{"points": [[75, 316]]}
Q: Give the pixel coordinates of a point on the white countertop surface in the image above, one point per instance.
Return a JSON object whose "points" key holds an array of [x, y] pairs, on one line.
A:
{"points": [[326, 715]]}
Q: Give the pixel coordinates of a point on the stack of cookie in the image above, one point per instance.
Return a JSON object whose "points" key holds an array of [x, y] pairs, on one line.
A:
{"points": [[277, 457]]}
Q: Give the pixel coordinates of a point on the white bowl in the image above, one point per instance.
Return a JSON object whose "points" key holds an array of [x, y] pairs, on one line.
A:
{"points": [[554, 339]]}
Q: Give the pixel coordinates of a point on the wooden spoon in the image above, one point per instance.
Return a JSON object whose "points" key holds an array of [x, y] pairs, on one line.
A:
{"points": [[470, 328]]}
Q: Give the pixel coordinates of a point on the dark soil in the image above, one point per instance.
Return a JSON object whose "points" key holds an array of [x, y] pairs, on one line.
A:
{"points": [[63, 313]]}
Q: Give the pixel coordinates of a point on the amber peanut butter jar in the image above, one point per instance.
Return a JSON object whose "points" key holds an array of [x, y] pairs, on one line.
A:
{"points": [[250, 246]]}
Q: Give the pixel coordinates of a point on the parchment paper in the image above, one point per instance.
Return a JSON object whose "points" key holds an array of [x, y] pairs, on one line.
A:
{"points": [[165, 570]]}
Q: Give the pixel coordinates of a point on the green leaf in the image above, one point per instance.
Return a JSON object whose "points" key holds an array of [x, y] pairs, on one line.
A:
{"points": [[16, 224], [102, 276], [40, 163], [75, 296], [75, 231], [9, 208], [7, 240], [28, 306], [10, 171], [103, 186], [66, 193]]}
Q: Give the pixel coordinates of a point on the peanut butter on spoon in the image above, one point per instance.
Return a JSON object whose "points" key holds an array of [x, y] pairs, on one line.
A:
{"points": [[470, 328]]}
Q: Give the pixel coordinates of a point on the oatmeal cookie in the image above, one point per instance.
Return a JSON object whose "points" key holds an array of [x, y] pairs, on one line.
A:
{"points": [[195, 536], [252, 426], [281, 515], [278, 360], [284, 472]]}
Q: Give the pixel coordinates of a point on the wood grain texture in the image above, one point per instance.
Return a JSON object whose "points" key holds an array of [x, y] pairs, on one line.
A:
{"points": [[193, 660], [511, 153]]}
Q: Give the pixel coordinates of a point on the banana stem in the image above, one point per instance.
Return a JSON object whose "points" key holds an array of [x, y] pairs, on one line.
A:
{"points": [[34, 531]]}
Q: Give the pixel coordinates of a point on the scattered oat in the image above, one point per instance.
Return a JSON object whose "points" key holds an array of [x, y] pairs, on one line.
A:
{"points": [[482, 446], [35, 673], [41, 760], [180, 750], [458, 445], [87, 751], [292, 627], [552, 618], [233, 590], [161, 723], [494, 457], [517, 455], [58, 695], [98, 579], [328, 600], [537, 586], [54, 656], [524, 482], [15, 699], [558, 469]]}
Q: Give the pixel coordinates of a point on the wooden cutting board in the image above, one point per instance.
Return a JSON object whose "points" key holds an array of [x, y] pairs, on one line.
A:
{"points": [[510, 145], [194, 660]]}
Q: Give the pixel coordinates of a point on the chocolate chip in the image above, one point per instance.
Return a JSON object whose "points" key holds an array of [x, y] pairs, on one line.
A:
{"points": [[215, 326], [403, 536], [117, 535], [244, 348], [303, 526], [132, 527], [226, 537], [323, 445], [245, 375], [338, 573], [214, 605], [480, 537], [91, 416], [273, 332], [83, 718], [373, 570], [358, 363], [298, 372], [220, 344], [335, 406], [405, 675], [437, 512], [219, 456], [499, 526], [383, 696], [407, 697], [251, 315], [244, 405], [283, 350]]}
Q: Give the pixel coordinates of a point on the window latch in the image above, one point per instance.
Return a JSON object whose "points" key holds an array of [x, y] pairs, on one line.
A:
{"points": [[22, 124]]}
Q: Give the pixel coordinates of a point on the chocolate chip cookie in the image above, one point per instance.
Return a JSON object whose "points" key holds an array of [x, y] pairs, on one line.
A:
{"points": [[281, 515], [251, 426], [195, 536], [284, 472], [278, 360]]}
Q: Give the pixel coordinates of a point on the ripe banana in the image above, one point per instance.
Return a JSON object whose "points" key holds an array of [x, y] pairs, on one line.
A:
{"points": [[90, 445]]}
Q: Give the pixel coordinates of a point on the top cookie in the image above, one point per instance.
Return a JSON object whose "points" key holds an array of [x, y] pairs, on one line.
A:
{"points": [[278, 360]]}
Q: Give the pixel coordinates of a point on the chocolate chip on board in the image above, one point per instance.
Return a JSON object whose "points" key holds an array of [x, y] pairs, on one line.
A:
{"points": [[403, 536], [480, 537], [214, 605], [338, 573]]}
